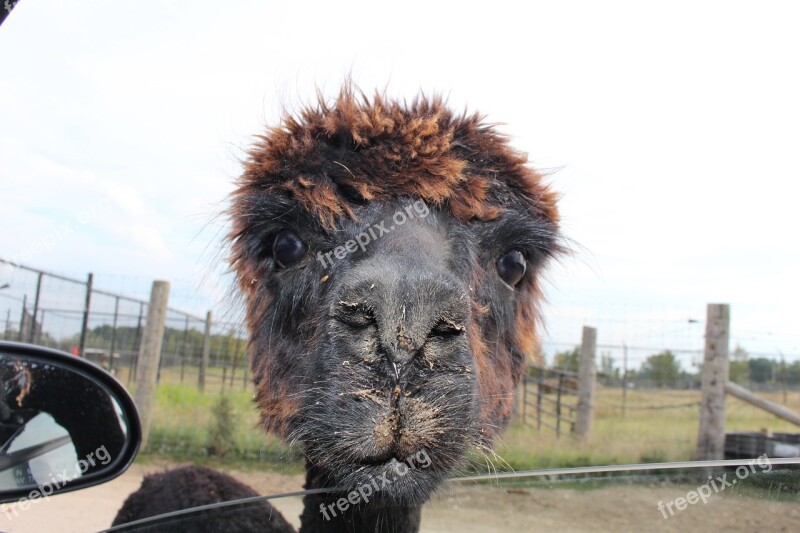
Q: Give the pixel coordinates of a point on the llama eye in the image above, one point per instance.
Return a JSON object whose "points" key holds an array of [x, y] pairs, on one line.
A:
{"points": [[288, 249], [446, 327], [511, 267]]}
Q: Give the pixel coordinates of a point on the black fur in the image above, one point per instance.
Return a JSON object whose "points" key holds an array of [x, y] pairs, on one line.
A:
{"points": [[191, 486]]}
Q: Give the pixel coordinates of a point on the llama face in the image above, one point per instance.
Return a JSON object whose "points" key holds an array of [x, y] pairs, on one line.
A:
{"points": [[390, 258]]}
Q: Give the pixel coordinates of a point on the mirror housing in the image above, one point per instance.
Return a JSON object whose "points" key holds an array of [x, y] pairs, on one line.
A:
{"points": [[65, 423]]}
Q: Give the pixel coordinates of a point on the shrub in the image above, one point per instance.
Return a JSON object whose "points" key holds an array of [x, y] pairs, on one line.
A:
{"points": [[222, 430]]}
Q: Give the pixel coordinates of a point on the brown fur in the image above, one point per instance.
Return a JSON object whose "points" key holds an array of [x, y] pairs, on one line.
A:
{"points": [[421, 150], [456, 162]]}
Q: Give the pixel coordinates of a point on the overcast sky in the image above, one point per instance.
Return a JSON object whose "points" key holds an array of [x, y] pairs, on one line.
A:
{"points": [[672, 134]]}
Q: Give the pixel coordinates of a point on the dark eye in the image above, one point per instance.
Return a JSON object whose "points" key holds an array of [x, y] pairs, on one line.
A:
{"points": [[288, 249], [511, 267], [446, 327]]}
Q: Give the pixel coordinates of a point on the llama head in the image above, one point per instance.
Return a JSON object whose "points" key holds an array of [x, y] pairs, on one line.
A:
{"points": [[389, 255]]}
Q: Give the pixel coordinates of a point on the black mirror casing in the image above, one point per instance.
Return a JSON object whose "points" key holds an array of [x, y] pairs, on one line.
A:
{"points": [[91, 418]]}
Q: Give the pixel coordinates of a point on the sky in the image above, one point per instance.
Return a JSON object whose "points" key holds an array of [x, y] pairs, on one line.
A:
{"points": [[670, 131]]}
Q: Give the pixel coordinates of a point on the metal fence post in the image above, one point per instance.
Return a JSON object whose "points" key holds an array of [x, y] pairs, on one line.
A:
{"points": [[586, 379], [201, 376], [21, 332], [113, 335], [137, 345], [624, 379], [85, 323], [558, 404], [32, 335], [185, 347], [234, 361]]}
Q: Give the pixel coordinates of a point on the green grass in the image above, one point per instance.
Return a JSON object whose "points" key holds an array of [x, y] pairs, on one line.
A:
{"points": [[183, 420], [641, 436]]}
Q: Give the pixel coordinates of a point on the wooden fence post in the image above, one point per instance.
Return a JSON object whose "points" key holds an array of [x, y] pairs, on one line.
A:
{"points": [[586, 379], [711, 438], [518, 407], [539, 405], [559, 390], [150, 354], [201, 376]]}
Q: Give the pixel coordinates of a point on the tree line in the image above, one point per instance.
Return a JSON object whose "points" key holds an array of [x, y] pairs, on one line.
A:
{"points": [[177, 341], [664, 369]]}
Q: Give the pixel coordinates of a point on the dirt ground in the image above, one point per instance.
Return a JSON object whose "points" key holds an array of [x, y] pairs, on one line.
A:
{"points": [[456, 508]]}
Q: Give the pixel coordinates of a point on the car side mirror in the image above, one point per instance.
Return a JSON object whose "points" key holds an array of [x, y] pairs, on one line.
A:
{"points": [[65, 423]]}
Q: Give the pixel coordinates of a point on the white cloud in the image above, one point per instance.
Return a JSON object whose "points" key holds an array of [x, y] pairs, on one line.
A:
{"points": [[151, 241], [125, 197]]}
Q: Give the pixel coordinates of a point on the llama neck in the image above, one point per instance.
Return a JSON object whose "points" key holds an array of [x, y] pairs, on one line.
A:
{"points": [[341, 516]]}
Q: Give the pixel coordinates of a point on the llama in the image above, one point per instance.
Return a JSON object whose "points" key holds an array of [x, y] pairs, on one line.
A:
{"points": [[190, 486], [389, 255]]}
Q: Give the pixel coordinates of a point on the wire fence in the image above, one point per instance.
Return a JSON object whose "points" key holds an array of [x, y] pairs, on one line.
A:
{"points": [[638, 348], [648, 365], [75, 316], [549, 399]]}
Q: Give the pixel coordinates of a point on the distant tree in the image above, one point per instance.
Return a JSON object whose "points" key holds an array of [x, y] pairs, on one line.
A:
{"points": [[189, 343], [793, 373], [739, 367], [760, 369], [607, 366], [568, 360], [663, 369]]}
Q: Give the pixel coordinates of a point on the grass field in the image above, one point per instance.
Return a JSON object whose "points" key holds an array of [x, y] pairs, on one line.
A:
{"points": [[185, 422], [649, 431], [652, 430]]}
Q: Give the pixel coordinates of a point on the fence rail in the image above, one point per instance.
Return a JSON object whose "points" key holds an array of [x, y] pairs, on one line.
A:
{"points": [[72, 314], [539, 409]]}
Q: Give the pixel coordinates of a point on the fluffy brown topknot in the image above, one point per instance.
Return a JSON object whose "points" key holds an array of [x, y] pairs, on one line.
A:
{"points": [[355, 150]]}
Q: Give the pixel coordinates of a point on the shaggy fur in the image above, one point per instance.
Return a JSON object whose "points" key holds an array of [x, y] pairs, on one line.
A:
{"points": [[329, 174], [187, 487], [321, 167]]}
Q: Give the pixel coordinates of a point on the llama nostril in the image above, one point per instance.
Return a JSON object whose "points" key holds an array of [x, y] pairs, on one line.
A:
{"points": [[405, 342]]}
